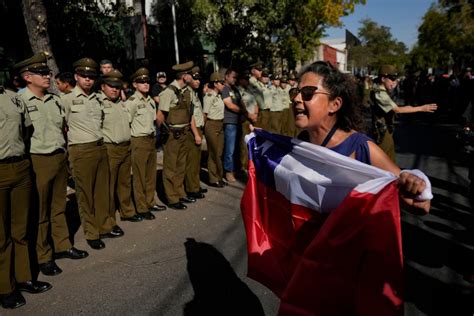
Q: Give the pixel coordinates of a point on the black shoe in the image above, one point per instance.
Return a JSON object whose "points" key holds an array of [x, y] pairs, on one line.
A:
{"points": [[96, 244], [148, 216], [50, 268], [116, 229], [187, 199], [12, 300], [72, 253], [216, 185], [33, 287], [134, 218], [202, 190], [112, 234], [196, 195], [224, 183], [158, 207], [178, 206]]}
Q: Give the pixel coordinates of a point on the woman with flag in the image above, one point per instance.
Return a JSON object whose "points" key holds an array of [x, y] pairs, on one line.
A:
{"points": [[326, 109]]}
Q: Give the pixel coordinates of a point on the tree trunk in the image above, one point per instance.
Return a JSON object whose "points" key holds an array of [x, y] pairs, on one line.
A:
{"points": [[36, 22]]}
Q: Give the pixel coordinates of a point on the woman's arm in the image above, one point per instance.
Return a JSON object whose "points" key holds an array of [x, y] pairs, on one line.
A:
{"points": [[409, 184]]}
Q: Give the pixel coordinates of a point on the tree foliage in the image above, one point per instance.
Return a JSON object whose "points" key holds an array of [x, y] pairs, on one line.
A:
{"points": [[247, 29], [446, 36], [378, 47]]}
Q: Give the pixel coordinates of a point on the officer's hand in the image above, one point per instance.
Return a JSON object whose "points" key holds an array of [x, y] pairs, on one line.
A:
{"points": [[253, 118], [430, 107], [197, 140]]}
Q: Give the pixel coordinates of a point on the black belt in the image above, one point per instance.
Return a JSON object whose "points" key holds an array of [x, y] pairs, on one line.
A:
{"points": [[13, 159], [215, 120], [57, 151], [99, 142], [146, 136], [265, 110], [120, 144]]}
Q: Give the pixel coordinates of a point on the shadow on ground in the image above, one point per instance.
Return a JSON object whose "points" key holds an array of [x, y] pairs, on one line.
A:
{"points": [[217, 288]]}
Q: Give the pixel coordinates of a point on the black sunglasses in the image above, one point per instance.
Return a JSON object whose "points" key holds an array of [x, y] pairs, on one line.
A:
{"points": [[89, 76], [196, 77], [307, 92], [219, 81], [42, 72], [392, 77], [142, 81]]}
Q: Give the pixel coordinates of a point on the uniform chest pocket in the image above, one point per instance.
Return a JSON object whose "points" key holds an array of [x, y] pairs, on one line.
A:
{"points": [[108, 111], [142, 110], [35, 115], [77, 108]]}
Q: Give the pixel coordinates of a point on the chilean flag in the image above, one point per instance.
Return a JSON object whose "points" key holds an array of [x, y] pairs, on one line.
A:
{"points": [[323, 230]]}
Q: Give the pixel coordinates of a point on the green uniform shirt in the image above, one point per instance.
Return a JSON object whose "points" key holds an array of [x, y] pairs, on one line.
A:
{"points": [[277, 99], [116, 127], [383, 99], [267, 96], [249, 100], [143, 114], [197, 113], [83, 115], [11, 111], [47, 116], [286, 97], [213, 106], [168, 98], [255, 87]]}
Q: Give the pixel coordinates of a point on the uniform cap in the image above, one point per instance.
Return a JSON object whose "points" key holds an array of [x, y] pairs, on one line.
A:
{"points": [[276, 77], [292, 76], [284, 79], [141, 73], [265, 73], [388, 71], [85, 66], [113, 78], [186, 67], [216, 76], [161, 74], [257, 65], [35, 63]]}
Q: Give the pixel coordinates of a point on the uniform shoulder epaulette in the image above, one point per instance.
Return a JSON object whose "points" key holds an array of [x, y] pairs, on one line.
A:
{"points": [[209, 94], [131, 99]]}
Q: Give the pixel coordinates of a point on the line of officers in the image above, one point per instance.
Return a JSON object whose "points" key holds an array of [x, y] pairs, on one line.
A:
{"points": [[103, 138]]}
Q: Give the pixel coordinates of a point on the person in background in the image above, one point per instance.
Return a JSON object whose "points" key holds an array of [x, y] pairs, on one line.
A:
{"points": [[65, 82]]}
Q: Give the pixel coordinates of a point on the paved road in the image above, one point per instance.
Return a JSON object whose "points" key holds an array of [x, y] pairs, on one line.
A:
{"points": [[146, 271]]}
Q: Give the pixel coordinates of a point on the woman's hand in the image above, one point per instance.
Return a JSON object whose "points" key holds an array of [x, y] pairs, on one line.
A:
{"points": [[197, 140], [411, 186]]}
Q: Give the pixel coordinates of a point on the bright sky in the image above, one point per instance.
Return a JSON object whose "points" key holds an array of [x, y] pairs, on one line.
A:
{"points": [[402, 17]]}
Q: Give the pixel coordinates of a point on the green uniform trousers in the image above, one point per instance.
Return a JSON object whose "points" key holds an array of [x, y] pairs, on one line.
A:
{"points": [[144, 172], [15, 190], [174, 165], [388, 146], [120, 190], [51, 183], [193, 167], [292, 129], [90, 170], [285, 121], [244, 153], [214, 131], [276, 122], [263, 120]]}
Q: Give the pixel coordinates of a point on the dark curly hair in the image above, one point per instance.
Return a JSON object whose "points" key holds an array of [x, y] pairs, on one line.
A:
{"points": [[340, 85]]}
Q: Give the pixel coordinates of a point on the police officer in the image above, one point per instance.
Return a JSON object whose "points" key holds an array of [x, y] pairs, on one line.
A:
{"points": [[88, 154], [193, 162], [255, 87], [175, 111], [48, 157], [142, 110], [292, 84], [214, 129], [117, 136], [384, 109], [15, 189], [264, 113], [285, 96], [276, 109]]}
